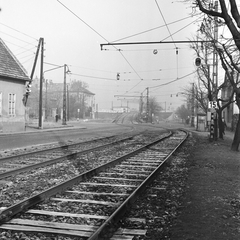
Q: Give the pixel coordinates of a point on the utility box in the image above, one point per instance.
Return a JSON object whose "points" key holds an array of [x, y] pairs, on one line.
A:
{"points": [[201, 122]]}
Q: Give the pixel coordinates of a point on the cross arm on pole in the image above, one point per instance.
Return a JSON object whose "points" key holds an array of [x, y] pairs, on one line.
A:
{"points": [[157, 42]]}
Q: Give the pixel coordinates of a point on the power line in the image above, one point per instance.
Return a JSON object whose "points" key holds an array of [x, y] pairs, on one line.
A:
{"points": [[81, 75], [177, 79], [26, 56], [52, 64], [97, 34], [165, 22], [98, 70], [19, 31], [16, 38], [169, 33], [20, 47], [152, 29], [183, 28], [26, 50], [82, 20], [28, 59]]}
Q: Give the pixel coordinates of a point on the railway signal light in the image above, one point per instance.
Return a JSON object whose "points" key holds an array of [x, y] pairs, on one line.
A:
{"points": [[28, 88], [118, 76], [198, 62]]}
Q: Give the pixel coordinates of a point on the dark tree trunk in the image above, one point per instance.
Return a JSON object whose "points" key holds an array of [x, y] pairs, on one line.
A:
{"points": [[221, 127], [236, 139]]}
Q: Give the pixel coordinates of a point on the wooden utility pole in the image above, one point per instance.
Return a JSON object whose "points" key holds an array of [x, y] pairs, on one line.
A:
{"points": [[147, 104], [141, 104], [68, 110], [215, 70], [40, 124], [192, 105], [64, 119]]}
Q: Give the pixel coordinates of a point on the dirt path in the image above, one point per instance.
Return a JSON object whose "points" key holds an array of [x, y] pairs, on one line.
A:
{"points": [[211, 204]]}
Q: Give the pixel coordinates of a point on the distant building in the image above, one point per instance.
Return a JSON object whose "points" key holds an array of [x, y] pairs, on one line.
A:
{"points": [[121, 109], [53, 101], [13, 78]]}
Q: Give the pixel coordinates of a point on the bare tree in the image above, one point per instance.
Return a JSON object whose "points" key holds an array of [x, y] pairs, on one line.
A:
{"points": [[228, 48], [152, 108], [183, 113], [206, 88]]}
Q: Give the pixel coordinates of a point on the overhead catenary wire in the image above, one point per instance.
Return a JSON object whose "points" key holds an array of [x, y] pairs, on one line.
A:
{"points": [[98, 35], [169, 34], [81, 75], [82, 20], [165, 22], [107, 41], [149, 30], [177, 79]]}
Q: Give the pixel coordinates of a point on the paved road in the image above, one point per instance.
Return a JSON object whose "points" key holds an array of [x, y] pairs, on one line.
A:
{"points": [[55, 132], [58, 133]]}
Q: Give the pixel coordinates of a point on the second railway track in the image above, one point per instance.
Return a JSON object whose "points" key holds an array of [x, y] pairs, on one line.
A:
{"points": [[87, 206], [12, 165]]}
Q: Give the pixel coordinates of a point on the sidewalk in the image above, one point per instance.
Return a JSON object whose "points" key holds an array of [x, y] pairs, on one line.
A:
{"points": [[210, 204], [228, 134], [47, 126]]}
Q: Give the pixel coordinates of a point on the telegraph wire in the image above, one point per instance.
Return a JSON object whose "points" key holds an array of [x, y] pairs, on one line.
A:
{"points": [[25, 56], [20, 47], [26, 50], [16, 38], [19, 31], [32, 57]]}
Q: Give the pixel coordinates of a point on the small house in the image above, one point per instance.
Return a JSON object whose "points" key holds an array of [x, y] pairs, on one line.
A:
{"points": [[13, 78]]}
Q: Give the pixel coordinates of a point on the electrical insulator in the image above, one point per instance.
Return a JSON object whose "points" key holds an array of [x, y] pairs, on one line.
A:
{"points": [[198, 62]]}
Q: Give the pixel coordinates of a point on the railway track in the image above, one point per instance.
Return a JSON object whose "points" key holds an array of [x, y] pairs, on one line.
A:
{"points": [[89, 205], [15, 164]]}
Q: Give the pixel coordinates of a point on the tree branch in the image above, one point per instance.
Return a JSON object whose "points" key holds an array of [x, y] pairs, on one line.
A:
{"points": [[235, 13], [208, 12]]}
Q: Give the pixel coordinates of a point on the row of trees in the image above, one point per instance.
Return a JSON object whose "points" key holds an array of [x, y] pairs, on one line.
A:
{"points": [[216, 15], [53, 99]]}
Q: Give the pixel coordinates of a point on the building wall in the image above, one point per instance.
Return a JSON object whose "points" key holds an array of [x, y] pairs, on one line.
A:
{"points": [[15, 122]]}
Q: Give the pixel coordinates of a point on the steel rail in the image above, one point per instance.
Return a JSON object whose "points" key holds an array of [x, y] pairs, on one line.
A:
{"points": [[122, 209], [55, 160], [22, 206], [53, 148]]}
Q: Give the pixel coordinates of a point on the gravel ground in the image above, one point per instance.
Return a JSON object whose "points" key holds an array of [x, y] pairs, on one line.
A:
{"points": [[197, 198]]}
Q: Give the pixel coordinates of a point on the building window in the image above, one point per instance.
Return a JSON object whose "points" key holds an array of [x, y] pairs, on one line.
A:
{"points": [[0, 103], [11, 104]]}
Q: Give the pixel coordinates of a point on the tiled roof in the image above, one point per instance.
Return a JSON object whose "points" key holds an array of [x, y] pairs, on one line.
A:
{"points": [[86, 91], [58, 86], [9, 65]]}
